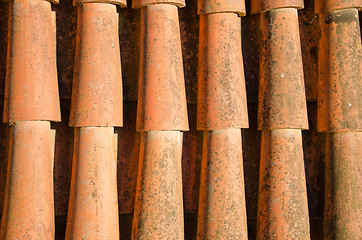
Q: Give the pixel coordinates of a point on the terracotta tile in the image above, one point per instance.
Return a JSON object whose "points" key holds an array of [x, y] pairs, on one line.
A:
{"points": [[258, 6], [129, 28], [159, 209], [282, 112], [129, 139], [129, 34], [282, 205], [342, 213], [340, 86], [332, 5], [221, 6], [128, 150], [29, 201], [222, 211], [31, 63], [144, 3], [340, 72], [127, 161], [122, 3], [93, 205], [97, 87], [162, 97], [282, 101], [221, 88]]}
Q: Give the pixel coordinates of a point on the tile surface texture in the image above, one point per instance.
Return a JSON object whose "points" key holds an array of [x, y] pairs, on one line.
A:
{"points": [[320, 43]]}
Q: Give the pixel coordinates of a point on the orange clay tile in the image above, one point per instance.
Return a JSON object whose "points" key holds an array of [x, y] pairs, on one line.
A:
{"points": [[221, 86], [331, 5], [222, 211], [158, 212], [340, 72], [282, 101], [122, 3], [29, 201], [31, 89], [221, 6], [97, 85], [145, 3], [161, 92], [93, 207], [258, 6], [282, 204], [343, 196]]}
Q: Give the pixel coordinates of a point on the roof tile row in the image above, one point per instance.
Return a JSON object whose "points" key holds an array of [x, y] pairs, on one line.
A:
{"points": [[161, 116], [282, 113], [332, 5], [221, 6], [340, 115], [221, 112], [259, 6]]}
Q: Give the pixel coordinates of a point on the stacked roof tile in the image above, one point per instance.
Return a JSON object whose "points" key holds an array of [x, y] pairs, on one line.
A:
{"points": [[97, 85], [282, 113], [221, 112], [340, 115], [31, 103], [96, 109], [161, 118], [176, 171]]}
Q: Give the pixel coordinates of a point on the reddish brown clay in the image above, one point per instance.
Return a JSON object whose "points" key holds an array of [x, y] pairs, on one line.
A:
{"points": [[282, 101], [162, 97], [343, 196], [222, 211], [145, 3], [340, 72], [221, 87], [93, 207], [282, 204], [158, 210], [29, 201], [122, 3], [31, 89], [221, 6], [97, 86], [331, 5], [258, 6]]}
